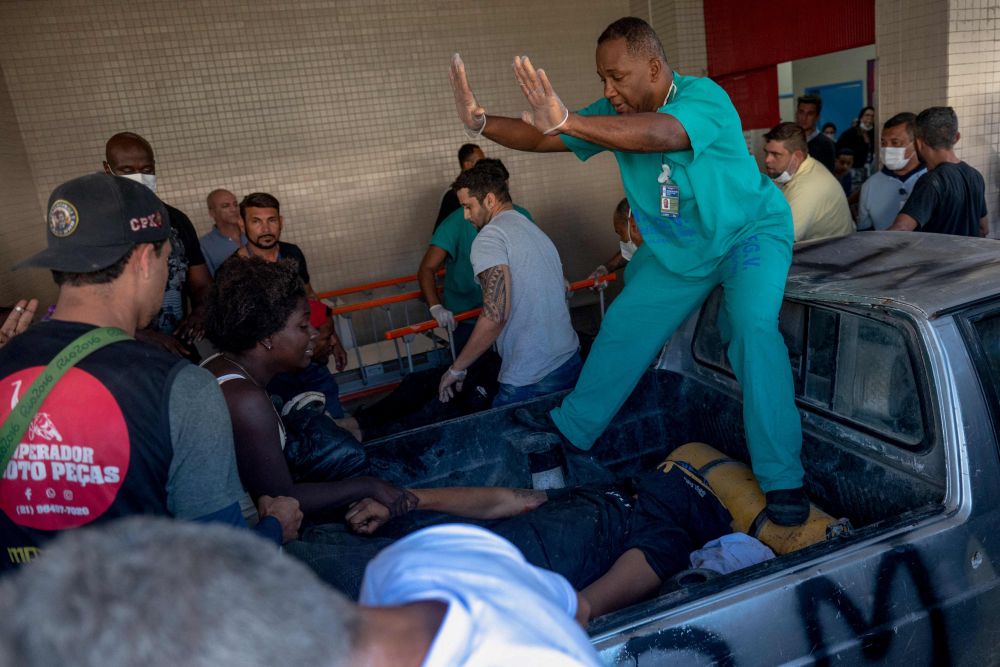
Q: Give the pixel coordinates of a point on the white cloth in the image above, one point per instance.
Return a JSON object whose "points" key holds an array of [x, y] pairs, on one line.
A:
{"points": [[538, 336], [730, 553], [501, 609], [882, 198]]}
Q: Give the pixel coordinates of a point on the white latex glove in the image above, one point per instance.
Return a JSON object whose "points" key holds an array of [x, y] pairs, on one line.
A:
{"points": [[599, 272], [445, 318], [470, 113], [451, 382], [548, 113]]}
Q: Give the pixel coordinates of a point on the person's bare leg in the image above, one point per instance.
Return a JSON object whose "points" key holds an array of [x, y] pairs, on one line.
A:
{"points": [[629, 580]]}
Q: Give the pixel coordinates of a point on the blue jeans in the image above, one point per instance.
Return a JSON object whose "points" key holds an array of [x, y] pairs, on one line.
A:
{"points": [[561, 378]]}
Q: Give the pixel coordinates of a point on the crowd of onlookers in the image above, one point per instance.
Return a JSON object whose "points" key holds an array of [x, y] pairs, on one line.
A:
{"points": [[914, 182], [110, 418]]}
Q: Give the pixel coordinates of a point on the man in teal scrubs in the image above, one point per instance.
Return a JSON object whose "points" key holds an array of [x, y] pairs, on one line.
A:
{"points": [[708, 218]]}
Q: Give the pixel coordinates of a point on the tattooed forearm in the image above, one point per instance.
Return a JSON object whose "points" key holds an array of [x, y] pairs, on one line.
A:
{"points": [[495, 282]]}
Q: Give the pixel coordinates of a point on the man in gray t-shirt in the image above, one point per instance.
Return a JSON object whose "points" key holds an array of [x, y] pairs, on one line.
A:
{"points": [[524, 298]]}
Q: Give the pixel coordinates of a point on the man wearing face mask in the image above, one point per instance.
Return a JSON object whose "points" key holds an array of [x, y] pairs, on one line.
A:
{"points": [[708, 217], [883, 195], [175, 327], [819, 207], [629, 240]]}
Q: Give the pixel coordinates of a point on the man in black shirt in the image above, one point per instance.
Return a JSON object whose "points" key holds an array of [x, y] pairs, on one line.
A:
{"points": [[821, 147], [950, 197], [262, 224], [468, 156], [175, 327]]}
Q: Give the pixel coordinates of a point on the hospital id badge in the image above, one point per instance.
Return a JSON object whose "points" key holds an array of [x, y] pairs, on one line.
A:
{"points": [[670, 200]]}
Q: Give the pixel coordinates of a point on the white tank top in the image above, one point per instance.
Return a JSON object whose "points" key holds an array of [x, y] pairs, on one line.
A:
{"points": [[247, 505]]}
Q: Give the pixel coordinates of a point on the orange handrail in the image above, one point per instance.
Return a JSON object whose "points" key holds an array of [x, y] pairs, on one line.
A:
{"points": [[590, 282], [428, 325], [469, 314], [375, 303], [367, 287]]}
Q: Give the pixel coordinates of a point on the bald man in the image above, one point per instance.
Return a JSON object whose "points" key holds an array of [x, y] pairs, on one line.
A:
{"points": [[226, 236], [176, 327]]}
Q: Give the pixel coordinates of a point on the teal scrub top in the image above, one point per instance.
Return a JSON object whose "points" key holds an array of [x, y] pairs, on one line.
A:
{"points": [[455, 235], [724, 198]]}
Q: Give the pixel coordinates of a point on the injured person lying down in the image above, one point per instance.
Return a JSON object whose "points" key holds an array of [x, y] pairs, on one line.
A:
{"points": [[616, 543]]}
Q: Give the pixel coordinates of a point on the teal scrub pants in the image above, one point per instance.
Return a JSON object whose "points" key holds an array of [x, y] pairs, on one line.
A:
{"points": [[653, 304]]}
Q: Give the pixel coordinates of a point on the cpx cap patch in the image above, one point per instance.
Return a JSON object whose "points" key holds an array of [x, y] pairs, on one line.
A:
{"points": [[63, 218]]}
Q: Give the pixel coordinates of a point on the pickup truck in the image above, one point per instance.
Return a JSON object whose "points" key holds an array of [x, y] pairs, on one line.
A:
{"points": [[894, 341]]}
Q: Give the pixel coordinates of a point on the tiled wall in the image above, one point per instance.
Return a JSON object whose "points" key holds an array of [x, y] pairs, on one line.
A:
{"points": [[342, 110], [912, 52], [681, 26], [22, 231], [974, 91], [933, 53]]}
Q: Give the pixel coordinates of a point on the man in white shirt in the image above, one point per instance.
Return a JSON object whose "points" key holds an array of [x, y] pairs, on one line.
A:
{"points": [[498, 609], [883, 195]]}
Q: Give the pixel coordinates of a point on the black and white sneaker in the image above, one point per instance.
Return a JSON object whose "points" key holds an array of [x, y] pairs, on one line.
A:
{"points": [[313, 402]]}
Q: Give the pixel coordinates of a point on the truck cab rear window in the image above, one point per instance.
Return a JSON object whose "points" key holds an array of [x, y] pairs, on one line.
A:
{"points": [[988, 330], [856, 368]]}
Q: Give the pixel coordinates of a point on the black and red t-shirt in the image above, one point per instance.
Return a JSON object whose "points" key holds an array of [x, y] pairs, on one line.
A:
{"points": [[99, 448]]}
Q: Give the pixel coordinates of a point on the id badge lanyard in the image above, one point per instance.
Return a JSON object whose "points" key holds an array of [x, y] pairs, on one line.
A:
{"points": [[669, 193]]}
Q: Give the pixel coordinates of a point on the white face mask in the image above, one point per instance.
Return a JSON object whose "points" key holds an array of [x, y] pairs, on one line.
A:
{"points": [[628, 247], [893, 157], [866, 126], [149, 180], [787, 174]]}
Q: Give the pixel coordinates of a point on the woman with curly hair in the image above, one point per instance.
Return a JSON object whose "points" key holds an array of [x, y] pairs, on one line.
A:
{"points": [[258, 317]]}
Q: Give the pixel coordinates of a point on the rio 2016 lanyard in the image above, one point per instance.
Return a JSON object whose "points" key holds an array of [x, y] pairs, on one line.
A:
{"points": [[24, 412]]}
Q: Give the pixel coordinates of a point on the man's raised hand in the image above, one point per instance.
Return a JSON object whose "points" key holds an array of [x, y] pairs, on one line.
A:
{"points": [[18, 320], [548, 113], [470, 113]]}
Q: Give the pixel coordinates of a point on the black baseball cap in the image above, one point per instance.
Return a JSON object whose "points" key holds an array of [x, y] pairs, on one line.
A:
{"points": [[94, 220]]}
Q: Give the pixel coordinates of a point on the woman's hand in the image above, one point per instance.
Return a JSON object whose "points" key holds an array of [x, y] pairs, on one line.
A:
{"points": [[396, 499]]}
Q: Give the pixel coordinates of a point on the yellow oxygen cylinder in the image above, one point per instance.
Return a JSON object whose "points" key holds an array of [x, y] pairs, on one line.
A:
{"points": [[738, 490]]}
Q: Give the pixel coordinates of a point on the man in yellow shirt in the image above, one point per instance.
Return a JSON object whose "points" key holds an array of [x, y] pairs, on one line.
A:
{"points": [[819, 207]]}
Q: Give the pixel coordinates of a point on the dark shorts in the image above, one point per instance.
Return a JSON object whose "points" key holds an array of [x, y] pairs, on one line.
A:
{"points": [[579, 532], [675, 513]]}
